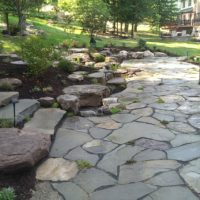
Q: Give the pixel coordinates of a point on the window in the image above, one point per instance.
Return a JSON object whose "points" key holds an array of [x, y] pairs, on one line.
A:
{"points": [[183, 3], [189, 2]]}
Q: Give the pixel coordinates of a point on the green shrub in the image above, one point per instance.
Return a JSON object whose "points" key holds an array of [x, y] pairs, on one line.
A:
{"points": [[6, 87], [55, 105], [7, 194], [142, 44], [114, 67], [37, 53], [66, 65], [6, 123], [98, 57]]}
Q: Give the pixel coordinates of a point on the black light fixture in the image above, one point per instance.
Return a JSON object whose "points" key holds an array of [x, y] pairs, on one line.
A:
{"points": [[14, 101]]}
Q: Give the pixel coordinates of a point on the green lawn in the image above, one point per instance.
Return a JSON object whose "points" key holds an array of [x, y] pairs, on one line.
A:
{"points": [[56, 34]]}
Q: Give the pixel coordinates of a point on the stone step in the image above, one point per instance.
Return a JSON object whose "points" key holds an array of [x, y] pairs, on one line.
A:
{"points": [[24, 108], [6, 97], [45, 121], [117, 84]]}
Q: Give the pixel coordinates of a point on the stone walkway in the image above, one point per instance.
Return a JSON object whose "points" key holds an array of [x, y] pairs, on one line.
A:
{"points": [[150, 151]]}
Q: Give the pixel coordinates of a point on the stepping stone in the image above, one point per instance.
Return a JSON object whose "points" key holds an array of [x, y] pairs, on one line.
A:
{"points": [[76, 77], [175, 192], [191, 174], [70, 191], [150, 154], [144, 112], [185, 153], [166, 179], [195, 121], [67, 140], [78, 50], [80, 154], [181, 127], [182, 139], [46, 101], [135, 106], [141, 171], [99, 133], [56, 169], [99, 146], [190, 108], [100, 120], [124, 118], [21, 150], [109, 125], [6, 97], [77, 123], [92, 179], [45, 191], [165, 106], [45, 121], [98, 77], [89, 95], [172, 98], [133, 191], [150, 120], [152, 144], [119, 156], [136, 130], [24, 109]]}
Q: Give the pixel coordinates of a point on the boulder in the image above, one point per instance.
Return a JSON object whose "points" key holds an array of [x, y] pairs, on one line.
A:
{"points": [[79, 50], [160, 54], [6, 97], [123, 54], [148, 54], [111, 59], [46, 101], [110, 100], [11, 83], [89, 95], [98, 77], [76, 77], [137, 55], [106, 52], [69, 102], [19, 150], [101, 65]]}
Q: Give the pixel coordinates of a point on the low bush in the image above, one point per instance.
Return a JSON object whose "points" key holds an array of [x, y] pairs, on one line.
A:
{"points": [[142, 44], [7, 194], [66, 65], [37, 53], [98, 57], [6, 123]]}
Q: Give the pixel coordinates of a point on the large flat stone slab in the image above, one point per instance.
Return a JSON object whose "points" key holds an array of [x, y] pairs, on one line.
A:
{"points": [[185, 153], [45, 120], [191, 174], [92, 179], [67, 140], [70, 191], [136, 130], [195, 121], [124, 192], [89, 95], [119, 156], [99, 133], [56, 169], [190, 108], [24, 109], [20, 150], [6, 97], [141, 171], [124, 118], [165, 106], [181, 127]]}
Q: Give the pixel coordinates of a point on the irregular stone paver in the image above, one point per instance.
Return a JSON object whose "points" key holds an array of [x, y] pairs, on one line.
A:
{"points": [[100, 120], [176, 193], [92, 179], [124, 118], [185, 153], [191, 174], [150, 120], [152, 144], [150, 154], [56, 169], [80, 154], [99, 133], [67, 140], [99, 146], [181, 127], [165, 106], [163, 117], [172, 98], [119, 156], [143, 112], [45, 191], [135, 106], [45, 120], [185, 139], [166, 179], [70, 191], [141, 171], [109, 125], [195, 121], [124, 192], [190, 108], [135, 130], [77, 123]]}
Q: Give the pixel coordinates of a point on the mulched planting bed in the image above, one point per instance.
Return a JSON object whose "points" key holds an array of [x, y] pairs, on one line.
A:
{"points": [[23, 183]]}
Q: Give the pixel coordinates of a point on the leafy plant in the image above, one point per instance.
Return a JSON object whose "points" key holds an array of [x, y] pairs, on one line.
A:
{"points": [[98, 57], [115, 110], [66, 65], [114, 67], [7, 194], [55, 105], [6, 123], [37, 53], [83, 164], [142, 44], [159, 100]]}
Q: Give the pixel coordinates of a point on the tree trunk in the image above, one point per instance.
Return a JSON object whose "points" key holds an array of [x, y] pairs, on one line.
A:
{"points": [[132, 30], [121, 28], [126, 27], [21, 23], [136, 26], [117, 28], [114, 26], [7, 22]]}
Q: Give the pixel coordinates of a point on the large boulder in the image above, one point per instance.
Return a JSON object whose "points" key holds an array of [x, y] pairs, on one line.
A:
{"points": [[20, 150], [69, 102], [148, 53], [136, 55], [10, 83], [89, 95], [160, 54]]}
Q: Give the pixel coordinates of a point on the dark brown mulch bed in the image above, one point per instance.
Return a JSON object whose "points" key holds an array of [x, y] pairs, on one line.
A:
{"points": [[23, 183], [55, 78]]}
